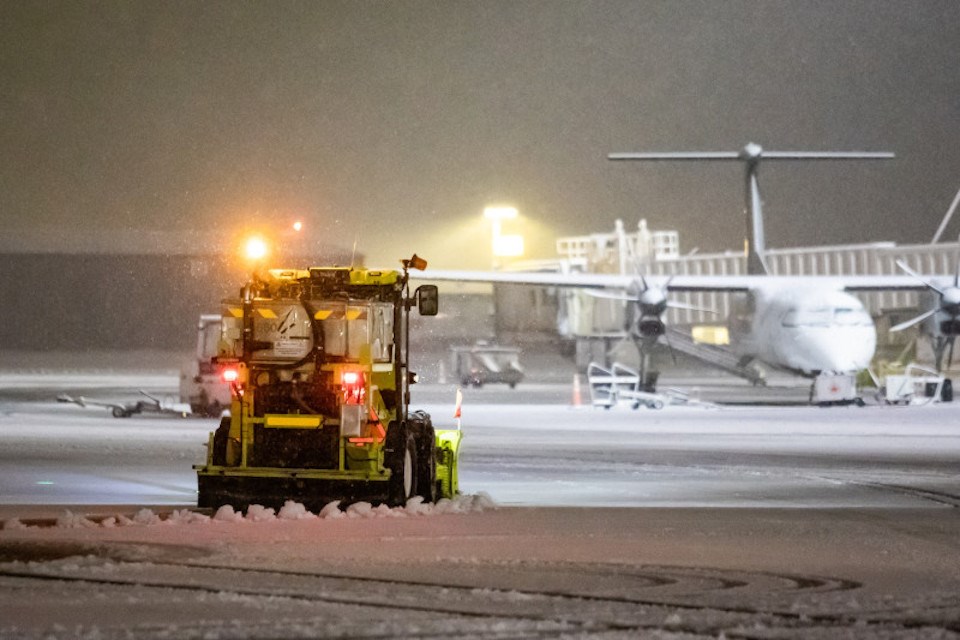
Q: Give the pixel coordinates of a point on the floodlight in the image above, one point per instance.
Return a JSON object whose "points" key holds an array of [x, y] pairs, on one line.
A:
{"points": [[500, 213], [256, 248]]}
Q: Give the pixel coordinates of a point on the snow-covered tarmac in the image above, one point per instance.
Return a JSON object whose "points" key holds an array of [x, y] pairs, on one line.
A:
{"points": [[755, 522]]}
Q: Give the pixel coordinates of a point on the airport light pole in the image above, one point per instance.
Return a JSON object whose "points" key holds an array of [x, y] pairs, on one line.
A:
{"points": [[503, 246]]}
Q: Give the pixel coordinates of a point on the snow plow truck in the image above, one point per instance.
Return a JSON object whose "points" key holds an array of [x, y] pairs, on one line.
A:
{"points": [[318, 365]]}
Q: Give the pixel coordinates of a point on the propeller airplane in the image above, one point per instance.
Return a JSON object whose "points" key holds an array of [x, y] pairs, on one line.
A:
{"points": [[811, 325]]}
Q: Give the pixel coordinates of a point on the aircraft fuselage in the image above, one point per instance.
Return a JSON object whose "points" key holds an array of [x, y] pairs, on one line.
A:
{"points": [[804, 329]]}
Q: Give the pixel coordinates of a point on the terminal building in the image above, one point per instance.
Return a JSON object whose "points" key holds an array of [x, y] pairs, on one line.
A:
{"points": [[88, 290]]}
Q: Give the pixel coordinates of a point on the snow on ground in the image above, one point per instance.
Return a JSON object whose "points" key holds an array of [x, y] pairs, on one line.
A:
{"points": [[750, 522], [506, 572], [291, 510]]}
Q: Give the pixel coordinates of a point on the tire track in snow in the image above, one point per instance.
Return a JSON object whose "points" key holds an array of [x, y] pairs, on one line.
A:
{"points": [[561, 610]]}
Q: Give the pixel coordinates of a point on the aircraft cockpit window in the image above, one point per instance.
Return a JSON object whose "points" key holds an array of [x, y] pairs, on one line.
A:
{"points": [[847, 317], [808, 317], [826, 317]]}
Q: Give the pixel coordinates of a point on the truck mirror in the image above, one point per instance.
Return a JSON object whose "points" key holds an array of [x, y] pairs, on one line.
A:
{"points": [[428, 300]]}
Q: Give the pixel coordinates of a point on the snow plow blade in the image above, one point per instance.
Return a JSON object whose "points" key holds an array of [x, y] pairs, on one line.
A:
{"points": [[448, 454], [241, 487], [242, 490]]}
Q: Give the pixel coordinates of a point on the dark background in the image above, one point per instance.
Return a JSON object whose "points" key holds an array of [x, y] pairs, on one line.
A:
{"points": [[392, 124], [137, 137]]}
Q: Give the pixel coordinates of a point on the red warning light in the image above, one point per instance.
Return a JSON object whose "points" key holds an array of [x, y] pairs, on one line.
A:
{"points": [[230, 375], [353, 387]]}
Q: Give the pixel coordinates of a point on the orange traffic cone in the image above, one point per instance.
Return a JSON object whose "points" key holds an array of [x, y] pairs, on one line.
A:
{"points": [[456, 411]]}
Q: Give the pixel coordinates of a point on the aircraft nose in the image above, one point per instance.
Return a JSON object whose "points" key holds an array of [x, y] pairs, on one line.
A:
{"points": [[836, 350], [839, 352]]}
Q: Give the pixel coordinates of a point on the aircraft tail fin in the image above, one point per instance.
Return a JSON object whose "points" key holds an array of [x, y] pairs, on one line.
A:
{"points": [[756, 243], [751, 155]]}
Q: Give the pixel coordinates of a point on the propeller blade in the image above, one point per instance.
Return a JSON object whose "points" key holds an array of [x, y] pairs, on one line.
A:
{"points": [[909, 323], [690, 307], [908, 270]]}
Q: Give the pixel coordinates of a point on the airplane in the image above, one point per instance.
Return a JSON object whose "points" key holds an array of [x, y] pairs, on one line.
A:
{"points": [[810, 325], [127, 409]]}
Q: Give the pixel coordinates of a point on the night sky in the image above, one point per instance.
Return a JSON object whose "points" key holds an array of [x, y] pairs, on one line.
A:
{"points": [[392, 124]]}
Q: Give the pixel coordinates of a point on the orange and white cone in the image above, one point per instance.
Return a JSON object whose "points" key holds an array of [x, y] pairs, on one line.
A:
{"points": [[456, 411]]}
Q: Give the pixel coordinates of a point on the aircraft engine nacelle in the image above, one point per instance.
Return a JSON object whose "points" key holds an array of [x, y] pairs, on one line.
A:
{"points": [[944, 310], [950, 328], [950, 305], [942, 301], [650, 327]]}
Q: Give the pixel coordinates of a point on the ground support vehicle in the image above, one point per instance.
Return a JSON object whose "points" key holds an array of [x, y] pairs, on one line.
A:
{"points": [[835, 389], [916, 385], [121, 409], [621, 385], [318, 363], [201, 385], [484, 363], [610, 387]]}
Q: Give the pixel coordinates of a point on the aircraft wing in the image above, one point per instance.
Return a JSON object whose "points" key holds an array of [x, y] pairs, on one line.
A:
{"points": [[681, 283], [544, 278], [596, 280], [854, 284]]}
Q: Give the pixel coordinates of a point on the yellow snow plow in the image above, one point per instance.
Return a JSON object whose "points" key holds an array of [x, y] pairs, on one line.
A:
{"points": [[317, 360]]}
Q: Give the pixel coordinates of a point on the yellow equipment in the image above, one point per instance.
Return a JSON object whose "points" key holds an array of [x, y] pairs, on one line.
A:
{"points": [[317, 360]]}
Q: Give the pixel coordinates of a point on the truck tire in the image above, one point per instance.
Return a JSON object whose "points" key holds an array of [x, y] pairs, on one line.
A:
{"points": [[403, 465], [212, 410], [218, 456], [426, 438]]}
